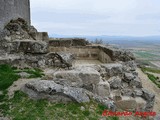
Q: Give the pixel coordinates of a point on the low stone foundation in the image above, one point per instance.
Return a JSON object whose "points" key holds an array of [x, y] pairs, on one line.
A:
{"points": [[105, 54], [68, 42]]}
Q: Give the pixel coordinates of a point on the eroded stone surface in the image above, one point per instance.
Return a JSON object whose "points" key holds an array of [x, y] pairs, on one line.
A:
{"points": [[103, 89], [127, 103], [44, 89], [114, 69], [115, 82], [136, 82], [86, 77], [47, 89], [29, 46]]}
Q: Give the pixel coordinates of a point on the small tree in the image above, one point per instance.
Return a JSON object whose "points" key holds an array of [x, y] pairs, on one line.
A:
{"points": [[98, 41]]}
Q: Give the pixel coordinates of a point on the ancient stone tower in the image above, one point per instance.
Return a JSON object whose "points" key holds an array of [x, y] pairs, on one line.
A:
{"points": [[12, 9]]}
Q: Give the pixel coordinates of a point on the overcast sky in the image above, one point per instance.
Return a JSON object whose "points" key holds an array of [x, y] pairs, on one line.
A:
{"points": [[97, 17]]}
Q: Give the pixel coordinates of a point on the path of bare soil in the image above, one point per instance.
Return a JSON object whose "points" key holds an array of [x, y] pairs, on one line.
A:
{"points": [[149, 85]]}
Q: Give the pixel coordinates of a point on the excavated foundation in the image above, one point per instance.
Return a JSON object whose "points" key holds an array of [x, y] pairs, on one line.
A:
{"points": [[98, 72]]}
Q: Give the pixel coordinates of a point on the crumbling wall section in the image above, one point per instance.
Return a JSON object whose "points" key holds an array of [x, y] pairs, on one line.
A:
{"points": [[105, 54], [68, 42]]}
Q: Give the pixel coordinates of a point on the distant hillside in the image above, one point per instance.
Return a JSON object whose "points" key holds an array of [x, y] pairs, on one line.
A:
{"points": [[122, 41]]}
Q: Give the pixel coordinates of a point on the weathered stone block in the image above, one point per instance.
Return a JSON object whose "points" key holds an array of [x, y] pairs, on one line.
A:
{"points": [[103, 89], [29, 46], [86, 77], [115, 82], [113, 69]]}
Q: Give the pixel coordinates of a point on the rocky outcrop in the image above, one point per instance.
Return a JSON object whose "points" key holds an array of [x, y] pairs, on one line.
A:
{"points": [[113, 69], [29, 46], [43, 89], [60, 59], [22, 60], [114, 81], [19, 29], [126, 87], [103, 89], [136, 82], [21, 46], [68, 85], [129, 103], [85, 77], [150, 98], [50, 90]]}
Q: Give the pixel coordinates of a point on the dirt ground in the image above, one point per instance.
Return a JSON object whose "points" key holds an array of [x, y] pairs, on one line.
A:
{"points": [[149, 85]]}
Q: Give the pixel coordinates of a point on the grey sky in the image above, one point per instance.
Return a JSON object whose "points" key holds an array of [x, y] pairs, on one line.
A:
{"points": [[97, 17]]}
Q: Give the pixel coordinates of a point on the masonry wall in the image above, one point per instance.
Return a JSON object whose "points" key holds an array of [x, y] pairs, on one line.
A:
{"points": [[84, 53], [68, 42], [13, 9]]}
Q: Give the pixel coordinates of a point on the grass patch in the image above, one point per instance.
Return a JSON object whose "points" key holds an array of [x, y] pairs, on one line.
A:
{"points": [[86, 113], [2, 97], [9, 74], [7, 77], [22, 108], [151, 76], [153, 79], [145, 54], [153, 70], [34, 72]]}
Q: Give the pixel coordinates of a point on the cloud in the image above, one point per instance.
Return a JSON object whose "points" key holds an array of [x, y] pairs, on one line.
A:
{"points": [[97, 17]]}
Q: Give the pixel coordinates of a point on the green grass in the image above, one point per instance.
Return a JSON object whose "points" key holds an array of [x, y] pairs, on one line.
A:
{"points": [[151, 76], [34, 72], [9, 74], [145, 54], [153, 70], [7, 77], [153, 79], [23, 108]]}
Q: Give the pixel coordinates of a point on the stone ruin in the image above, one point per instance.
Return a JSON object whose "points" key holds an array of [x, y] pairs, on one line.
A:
{"points": [[115, 79], [21, 44], [113, 82]]}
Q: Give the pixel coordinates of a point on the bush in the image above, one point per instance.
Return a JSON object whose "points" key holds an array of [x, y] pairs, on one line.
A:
{"points": [[97, 41]]}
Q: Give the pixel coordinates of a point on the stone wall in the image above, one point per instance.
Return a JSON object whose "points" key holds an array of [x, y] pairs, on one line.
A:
{"points": [[106, 54], [68, 42], [103, 57], [84, 52], [13, 9], [81, 52], [42, 36]]}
